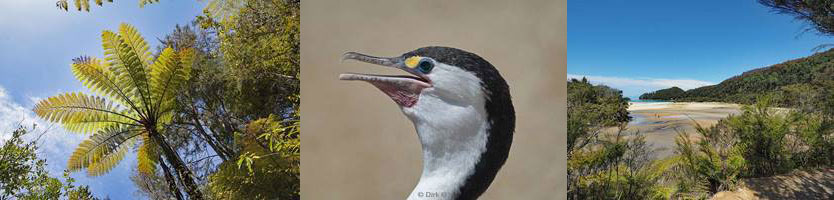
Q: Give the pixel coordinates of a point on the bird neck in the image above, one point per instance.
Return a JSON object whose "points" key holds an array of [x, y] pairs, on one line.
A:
{"points": [[451, 150]]}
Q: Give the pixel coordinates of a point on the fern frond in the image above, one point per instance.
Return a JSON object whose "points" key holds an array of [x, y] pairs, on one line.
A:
{"points": [[94, 75], [127, 65], [109, 161], [102, 151], [147, 155], [168, 74], [136, 44], [81, 113]]}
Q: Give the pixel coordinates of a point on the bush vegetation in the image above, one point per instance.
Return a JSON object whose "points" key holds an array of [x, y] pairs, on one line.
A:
{"points": [[23, 175], [761, 141], [603, 164]]}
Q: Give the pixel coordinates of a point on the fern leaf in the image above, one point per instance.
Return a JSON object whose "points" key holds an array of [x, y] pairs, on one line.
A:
{"points": [[109, 161], [136, 43], [102, 151], [94, 75], [168, 74], [81, 113], [147, 156], [127, 66]]}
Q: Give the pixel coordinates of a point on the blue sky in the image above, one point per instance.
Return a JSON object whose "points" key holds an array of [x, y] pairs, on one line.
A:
{"points": [[37, 44], [640, 46]]}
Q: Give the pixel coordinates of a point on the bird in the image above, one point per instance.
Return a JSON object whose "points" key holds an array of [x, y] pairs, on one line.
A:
{"points": [[462, 111]]}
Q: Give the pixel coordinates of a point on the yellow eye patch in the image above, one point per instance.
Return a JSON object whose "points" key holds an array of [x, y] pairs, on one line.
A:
{"points": [[412, 61]]}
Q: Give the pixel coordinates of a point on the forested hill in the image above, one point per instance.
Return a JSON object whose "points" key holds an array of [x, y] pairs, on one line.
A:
{"points": [[804, 77], [664, 94]]}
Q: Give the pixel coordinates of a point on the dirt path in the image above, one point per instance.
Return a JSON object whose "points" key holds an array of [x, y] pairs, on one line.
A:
{"points": [[814, 184]]}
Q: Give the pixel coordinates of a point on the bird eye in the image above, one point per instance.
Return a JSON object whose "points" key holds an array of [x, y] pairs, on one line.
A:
{"points": [[425, 66]]}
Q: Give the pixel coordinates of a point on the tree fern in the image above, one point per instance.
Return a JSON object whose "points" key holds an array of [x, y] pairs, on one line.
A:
{"points": [[135, 102], [102, 151], [146, 155], [82, 113]]}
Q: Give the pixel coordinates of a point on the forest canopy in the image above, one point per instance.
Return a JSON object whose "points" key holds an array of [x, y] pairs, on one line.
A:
{"points": [[664, 94], [804, 82]]}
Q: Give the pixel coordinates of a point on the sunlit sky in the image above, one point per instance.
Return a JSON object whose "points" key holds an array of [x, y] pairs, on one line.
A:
{"points": [[37, 45], [641, 46]]}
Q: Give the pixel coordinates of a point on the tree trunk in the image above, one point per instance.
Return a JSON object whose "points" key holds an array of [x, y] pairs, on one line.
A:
{"points": [[172, 185], [184, 173], [221, 151]]}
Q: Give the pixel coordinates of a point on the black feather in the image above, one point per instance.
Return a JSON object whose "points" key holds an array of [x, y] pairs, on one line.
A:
{"points": [[500, 115]]}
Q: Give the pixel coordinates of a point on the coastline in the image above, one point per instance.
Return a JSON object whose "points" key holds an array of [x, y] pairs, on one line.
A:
{"points": [[660, 122]]}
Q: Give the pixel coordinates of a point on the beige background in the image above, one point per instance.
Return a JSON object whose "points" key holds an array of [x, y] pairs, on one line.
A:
{"points": [[356, 144]]}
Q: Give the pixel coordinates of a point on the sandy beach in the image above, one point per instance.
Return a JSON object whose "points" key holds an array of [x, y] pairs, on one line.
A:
{"points": [[660, 121]]}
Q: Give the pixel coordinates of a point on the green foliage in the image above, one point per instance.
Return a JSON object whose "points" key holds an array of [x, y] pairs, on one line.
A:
{"points": [[591, 108], [136, 100], [261, 50], [664, 94], [605, 166], [618, 167], [801, 82], [712, 164], [23, 175], [143, 92], [763, 133], [268, 168], [761, 141]]}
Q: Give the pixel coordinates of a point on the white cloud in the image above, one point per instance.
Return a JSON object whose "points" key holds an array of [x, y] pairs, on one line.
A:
{"points": [[648, 82], [635, 86], [55, 143]]}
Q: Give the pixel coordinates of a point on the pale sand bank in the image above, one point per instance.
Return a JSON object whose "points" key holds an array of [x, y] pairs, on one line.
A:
{"points": [[661, 121], [692, 106], [658, 121]]}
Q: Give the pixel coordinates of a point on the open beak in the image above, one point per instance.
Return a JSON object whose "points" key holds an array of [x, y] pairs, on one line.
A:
{"points": [[404, 90]]}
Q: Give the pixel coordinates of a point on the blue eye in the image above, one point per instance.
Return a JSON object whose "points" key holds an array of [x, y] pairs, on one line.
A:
{"points": [[425, 66]]}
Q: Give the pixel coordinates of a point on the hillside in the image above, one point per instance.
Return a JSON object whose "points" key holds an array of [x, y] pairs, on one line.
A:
{"points": [[664, 94], [804, 77]]}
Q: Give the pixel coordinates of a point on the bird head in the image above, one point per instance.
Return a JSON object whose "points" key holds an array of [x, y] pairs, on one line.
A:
{"points": [[461, 108], [438, 80]]}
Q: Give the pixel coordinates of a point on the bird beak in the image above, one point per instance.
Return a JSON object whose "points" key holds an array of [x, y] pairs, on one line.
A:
{"points": [[404, 90]]}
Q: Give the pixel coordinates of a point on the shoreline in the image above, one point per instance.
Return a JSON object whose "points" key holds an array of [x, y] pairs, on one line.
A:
{"points": [[660, 122]]}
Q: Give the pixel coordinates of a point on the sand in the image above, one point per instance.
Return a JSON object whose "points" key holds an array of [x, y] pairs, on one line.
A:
{"points": [[660, 122]]}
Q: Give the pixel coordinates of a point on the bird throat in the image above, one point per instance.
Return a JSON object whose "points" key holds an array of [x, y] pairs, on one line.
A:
{"points": [[403, 94], [452, 148]]}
